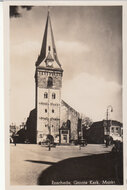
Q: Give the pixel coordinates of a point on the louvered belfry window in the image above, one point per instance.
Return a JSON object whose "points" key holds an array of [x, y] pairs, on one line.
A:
{"points": [[50, 82]]}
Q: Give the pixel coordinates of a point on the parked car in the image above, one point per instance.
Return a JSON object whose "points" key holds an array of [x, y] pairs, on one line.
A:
{"points": [[81, 142], [47, 140], [56, 140]]}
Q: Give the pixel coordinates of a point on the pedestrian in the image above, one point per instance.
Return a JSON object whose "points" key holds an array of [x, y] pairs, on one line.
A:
{"points": [[49, 146], [80, 146], [14, 140], [107, 141]]}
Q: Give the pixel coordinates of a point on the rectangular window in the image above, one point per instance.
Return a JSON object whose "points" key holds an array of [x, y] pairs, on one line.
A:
{"points": [[64, 131]]}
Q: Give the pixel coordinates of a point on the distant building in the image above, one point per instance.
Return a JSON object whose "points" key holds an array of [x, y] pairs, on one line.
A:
{"points": [[18, 131], [13, 128], [100, 129], [51, 115]]}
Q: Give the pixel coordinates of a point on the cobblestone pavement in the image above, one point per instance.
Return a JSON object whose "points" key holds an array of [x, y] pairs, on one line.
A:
{"points": [[28, 161]]}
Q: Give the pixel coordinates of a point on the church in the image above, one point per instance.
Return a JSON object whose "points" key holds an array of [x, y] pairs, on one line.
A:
{"points": [[51, 115]]}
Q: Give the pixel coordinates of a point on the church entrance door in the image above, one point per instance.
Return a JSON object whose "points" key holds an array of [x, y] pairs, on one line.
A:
{"points": [[64, 136]]}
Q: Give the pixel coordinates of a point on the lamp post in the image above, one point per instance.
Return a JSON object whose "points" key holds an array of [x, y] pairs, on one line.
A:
{"points": [[109, 108], [49, 143]]}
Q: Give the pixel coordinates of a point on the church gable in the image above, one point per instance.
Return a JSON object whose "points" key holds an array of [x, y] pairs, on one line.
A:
{"points": [[68, 107], [70, 114]]}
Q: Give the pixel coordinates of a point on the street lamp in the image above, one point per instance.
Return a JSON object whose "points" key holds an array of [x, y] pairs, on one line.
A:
{"points": [[109, 108], [49, 128]]}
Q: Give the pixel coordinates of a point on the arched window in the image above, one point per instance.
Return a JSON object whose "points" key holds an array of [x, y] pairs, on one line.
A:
{"points": [[40, 135], [45, 110], [45, 95], [50, 82], [53, 95], [52, 110]]}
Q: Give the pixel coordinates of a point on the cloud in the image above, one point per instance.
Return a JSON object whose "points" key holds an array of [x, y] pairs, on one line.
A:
{"points": [[25, 48], [90, 49], [73, 46], [91, 95]]}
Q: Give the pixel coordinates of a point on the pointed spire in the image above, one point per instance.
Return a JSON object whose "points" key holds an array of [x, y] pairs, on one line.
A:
{"points": [[42, 55], [53, 44]]}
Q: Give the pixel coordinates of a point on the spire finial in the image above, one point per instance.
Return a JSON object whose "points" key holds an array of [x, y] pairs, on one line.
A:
{"points": [[48, 10]]}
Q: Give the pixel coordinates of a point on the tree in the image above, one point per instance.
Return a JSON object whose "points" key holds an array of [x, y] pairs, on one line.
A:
{"points": [[86, 122]]}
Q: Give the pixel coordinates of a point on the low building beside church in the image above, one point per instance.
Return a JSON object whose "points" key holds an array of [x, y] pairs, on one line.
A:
{"points": [[100, 129]]}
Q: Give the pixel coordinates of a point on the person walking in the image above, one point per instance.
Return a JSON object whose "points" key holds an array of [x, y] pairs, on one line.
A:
{"points": [[14, 139], [49, 144]]}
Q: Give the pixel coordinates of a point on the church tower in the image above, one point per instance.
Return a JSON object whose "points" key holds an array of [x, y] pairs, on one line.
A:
{"points": [[48, 79]]}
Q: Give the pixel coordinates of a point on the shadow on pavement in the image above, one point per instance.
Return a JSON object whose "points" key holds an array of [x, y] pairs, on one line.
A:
{"points": [[100, 167], [41, 162]]}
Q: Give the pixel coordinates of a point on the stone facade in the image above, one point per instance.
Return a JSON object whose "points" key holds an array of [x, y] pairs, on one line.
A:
{"points": [[68, 113], [36, 133], [49, 83], [42, 78], [52, 112]]}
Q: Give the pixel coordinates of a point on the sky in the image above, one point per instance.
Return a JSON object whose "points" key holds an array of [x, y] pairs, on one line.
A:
{"points": [[89, 47]]}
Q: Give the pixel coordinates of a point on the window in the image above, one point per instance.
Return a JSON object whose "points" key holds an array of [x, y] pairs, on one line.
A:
{"points": [[50, 82], [65, 132], [45, 110], [40, 135], [117, 128], [52, 110], [45, 95], [53, 95], [112, 129]]}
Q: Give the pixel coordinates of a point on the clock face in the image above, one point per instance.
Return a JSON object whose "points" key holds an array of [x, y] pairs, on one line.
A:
{"points": [[49, 64]]}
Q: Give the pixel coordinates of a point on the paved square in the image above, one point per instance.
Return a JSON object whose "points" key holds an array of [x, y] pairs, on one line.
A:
{"points": [[28, 161]]}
